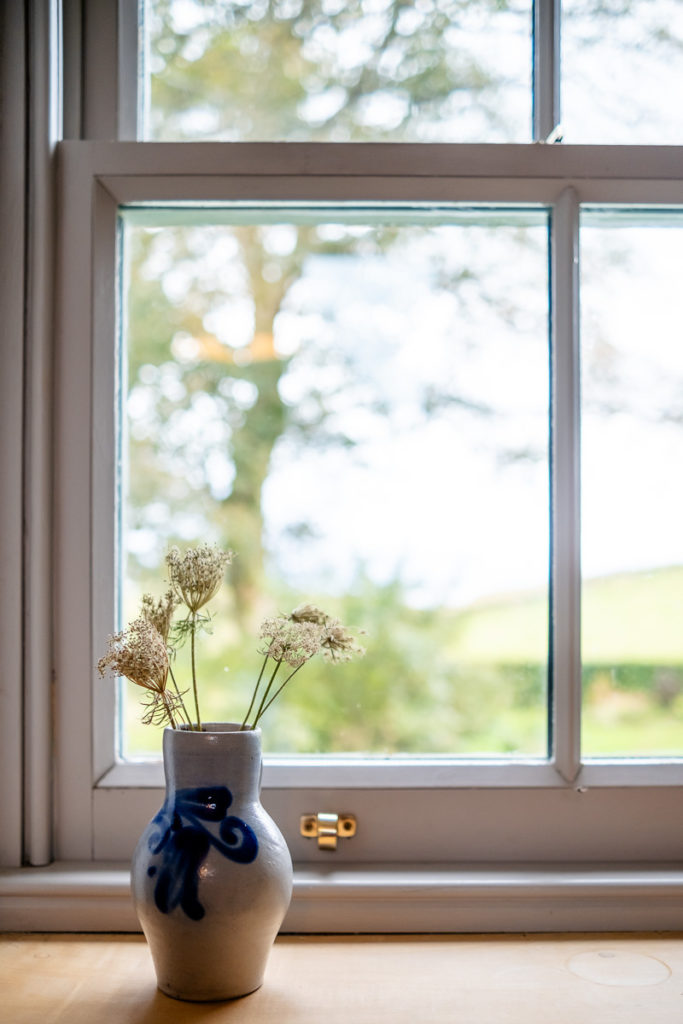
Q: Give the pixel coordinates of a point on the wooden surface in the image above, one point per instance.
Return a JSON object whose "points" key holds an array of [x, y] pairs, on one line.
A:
{"points": [[577, 979]]}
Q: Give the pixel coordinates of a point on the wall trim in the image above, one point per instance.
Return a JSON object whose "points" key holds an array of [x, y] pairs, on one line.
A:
{"points": [[390, 899]]}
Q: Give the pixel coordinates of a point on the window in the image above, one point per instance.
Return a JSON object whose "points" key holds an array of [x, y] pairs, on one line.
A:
{"points": [[362, 400], [531, 232]]}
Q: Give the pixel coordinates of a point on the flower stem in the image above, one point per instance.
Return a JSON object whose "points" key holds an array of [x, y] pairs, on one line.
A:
{"points": [[167, 709], [253, 696], [180, 697], [194, 671], [265, 695], [264, 707]]}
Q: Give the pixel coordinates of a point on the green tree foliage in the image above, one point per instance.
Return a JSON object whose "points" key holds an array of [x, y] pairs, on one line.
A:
{"points": [[325, 69], [217, 398], [286, 69]]}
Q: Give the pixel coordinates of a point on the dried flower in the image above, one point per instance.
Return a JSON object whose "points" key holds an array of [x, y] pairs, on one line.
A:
{"points": [[309, 613], [159, 613], [197, 575], [142, 652], [138, 653], [338, 644], [292, 642]]}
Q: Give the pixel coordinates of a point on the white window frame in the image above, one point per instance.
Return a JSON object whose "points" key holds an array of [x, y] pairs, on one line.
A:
{"points": [[441, 844]]}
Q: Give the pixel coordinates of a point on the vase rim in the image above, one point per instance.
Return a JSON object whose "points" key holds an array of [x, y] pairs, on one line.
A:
{"points": [[215, 727]]}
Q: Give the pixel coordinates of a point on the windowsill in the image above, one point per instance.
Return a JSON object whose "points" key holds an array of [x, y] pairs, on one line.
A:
{"points": [[389, 898], [522, 979]]}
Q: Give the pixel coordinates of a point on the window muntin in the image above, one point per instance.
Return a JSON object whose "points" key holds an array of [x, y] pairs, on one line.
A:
{"points": [[366, 70], [632, 497], [406, 355]]}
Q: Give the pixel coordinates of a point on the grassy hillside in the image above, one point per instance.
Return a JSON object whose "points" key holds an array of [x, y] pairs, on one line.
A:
{"points": [[633, 618]]}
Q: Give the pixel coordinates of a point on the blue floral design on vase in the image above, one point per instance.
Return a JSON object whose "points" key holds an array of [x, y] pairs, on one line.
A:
{"points": [[182, 843]]}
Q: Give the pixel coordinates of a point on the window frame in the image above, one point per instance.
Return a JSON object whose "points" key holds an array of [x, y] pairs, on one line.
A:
{"points": [[96, 178], [469, 848]]}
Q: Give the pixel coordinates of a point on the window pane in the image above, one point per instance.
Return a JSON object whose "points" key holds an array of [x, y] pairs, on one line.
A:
{"points": [[621, 71], [632, 379], [307, 70], [357, 403]]}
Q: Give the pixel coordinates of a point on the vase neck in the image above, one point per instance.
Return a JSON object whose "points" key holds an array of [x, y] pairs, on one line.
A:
{"points": [[218, 756]]}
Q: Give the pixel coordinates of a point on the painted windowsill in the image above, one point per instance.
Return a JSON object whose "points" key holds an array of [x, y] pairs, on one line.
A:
{"points": [[388, 898]]}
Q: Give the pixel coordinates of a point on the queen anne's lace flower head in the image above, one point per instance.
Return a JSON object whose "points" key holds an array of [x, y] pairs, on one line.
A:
{"points": [[160, 613], [309, 613], [288, 641], [197, 575], [138, 653], [338, 644]]}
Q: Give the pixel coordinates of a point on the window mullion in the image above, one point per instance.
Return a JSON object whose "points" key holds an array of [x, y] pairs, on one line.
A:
{"points": [[566, 597], [546, 70]]}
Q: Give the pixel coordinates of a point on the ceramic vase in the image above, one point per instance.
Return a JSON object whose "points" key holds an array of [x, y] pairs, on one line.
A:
{"points": [[211, 874]]}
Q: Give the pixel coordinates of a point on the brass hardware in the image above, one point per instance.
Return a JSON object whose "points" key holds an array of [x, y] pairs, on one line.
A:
{"points": [[327, 828]]}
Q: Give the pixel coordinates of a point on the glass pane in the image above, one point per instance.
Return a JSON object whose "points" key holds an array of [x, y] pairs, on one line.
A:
{"points": [[312, 70], [621, 71], [632, 379], [357, 403]]}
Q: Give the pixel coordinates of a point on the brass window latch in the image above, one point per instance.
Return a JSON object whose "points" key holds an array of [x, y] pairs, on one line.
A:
{"points": [[327, 828]]}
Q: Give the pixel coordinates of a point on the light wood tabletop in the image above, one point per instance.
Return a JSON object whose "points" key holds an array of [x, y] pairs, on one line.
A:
{"points": [[482, 979]]}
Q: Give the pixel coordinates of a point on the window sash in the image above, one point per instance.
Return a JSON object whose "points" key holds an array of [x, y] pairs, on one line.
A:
{"points": [[448, 225], [101, 802]]}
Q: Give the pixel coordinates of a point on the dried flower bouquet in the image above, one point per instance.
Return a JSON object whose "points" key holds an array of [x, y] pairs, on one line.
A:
{"points": [[146, 651]]}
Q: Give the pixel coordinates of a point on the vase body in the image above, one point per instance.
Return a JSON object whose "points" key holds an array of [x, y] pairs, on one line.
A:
{"points": [[211, 874]]}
